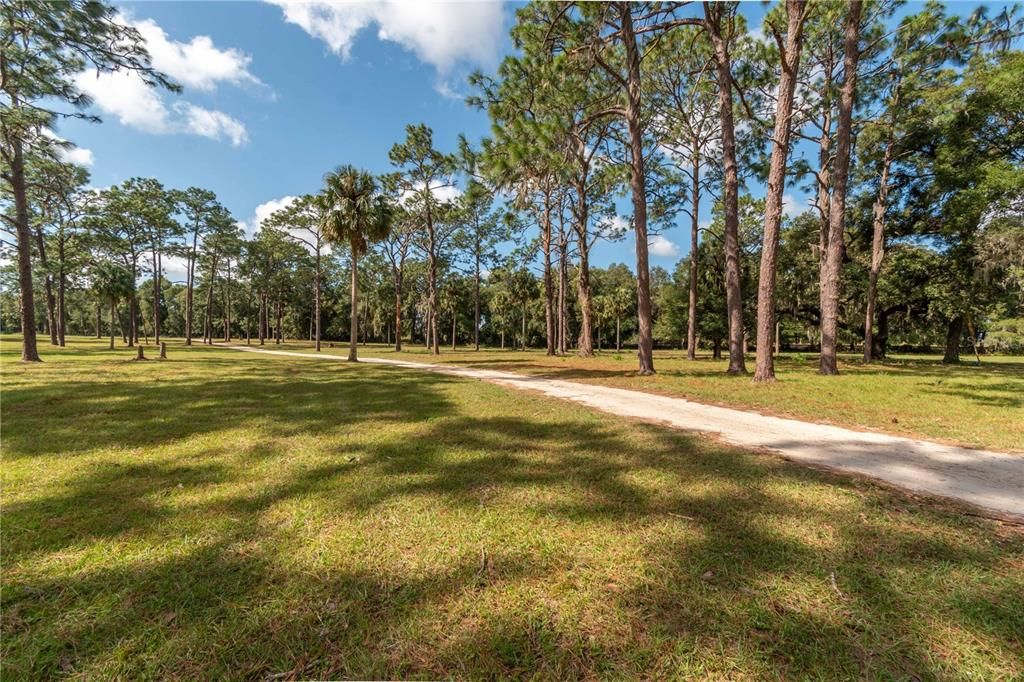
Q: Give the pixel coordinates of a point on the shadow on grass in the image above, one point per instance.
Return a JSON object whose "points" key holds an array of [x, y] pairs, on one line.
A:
{"points": [[556, 544]]}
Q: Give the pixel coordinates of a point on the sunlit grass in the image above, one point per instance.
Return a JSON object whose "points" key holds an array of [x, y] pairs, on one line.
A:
{"points": [[227, 515], [916, 396]]}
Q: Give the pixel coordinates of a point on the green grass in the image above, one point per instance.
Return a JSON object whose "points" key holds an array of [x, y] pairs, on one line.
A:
{"points": [[915, 396], [227, 515]]}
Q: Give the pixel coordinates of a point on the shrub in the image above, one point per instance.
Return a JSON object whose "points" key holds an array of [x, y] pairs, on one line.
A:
{"points": [[1006, 336]]}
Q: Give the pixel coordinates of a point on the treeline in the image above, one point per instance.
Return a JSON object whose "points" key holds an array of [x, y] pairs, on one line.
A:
{"points": [[908, 135]]}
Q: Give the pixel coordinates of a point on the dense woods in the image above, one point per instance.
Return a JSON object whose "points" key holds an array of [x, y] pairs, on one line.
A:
{"points": [[906, 129]]}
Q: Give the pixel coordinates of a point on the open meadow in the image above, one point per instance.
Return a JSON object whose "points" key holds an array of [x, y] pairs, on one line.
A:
{"points": [[908, 395], [225, 515]]}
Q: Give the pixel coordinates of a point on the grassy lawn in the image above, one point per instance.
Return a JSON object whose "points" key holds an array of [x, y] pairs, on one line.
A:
{"points": [[914, 396], [228, 515]]}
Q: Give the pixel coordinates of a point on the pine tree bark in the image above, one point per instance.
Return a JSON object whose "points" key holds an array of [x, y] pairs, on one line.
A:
{"points": [[837, 207], [208, 321], [691, 318], [637, 183], [279, 336], [50, 299], [398, 309], [878, 239], [227, 303], [585, 341], [549, 296], [29, 350], [563, 286], [954, 333], [790, 63], [316, 297], [113, 314], [156, 295], [730, 194], [476, 291], [190, 281], [133, 311], [432, 283], [62, 316]]}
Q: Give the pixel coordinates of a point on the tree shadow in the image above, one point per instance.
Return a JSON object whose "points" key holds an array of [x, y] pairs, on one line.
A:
{"points": [[129, 411], [446, 529]]}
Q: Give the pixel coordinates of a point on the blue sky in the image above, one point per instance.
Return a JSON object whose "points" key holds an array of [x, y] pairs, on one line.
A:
{"points": [[277, 95]]}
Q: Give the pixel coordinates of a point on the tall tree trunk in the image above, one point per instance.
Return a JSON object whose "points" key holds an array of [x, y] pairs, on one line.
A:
{"points": [[208, 322], [113, 314], [432, 283], [133, 310], [954, 332], [563, 286], [837, 207], [637, 183], [29, 352], [790, 64], [524, 325], [51, 301], [353, 331], [878, 241], [476, 291], [190, 283], [691, 318], [62, 317], [120, 327], [316, 296], [278, 335], [156, 295], [227, 303], [730, 198], [585, 344], [618, 333], [549, 296], [99, 319], [455, 318], [398, 309], [881, 340], [260, 313]]}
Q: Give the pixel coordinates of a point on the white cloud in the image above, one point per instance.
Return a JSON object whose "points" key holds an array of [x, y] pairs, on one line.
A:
{"points": [[79, 156], [660, 246], [197, 64], [442, 34], [124, 95], [448, 91], [793, 206], [443, 194], [212, 124], [175, 268], [262, 212], [268, 208]]}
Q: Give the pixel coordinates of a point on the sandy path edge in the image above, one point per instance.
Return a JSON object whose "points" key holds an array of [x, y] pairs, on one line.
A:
{"points": [[989, 480]]}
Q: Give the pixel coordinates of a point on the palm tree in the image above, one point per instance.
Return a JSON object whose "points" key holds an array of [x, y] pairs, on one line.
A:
{"points": [[112, 282], [355, 212]]}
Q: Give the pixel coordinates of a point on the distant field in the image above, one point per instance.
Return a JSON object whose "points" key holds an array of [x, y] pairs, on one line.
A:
{"points": [[223, 515], [907, 395]]}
